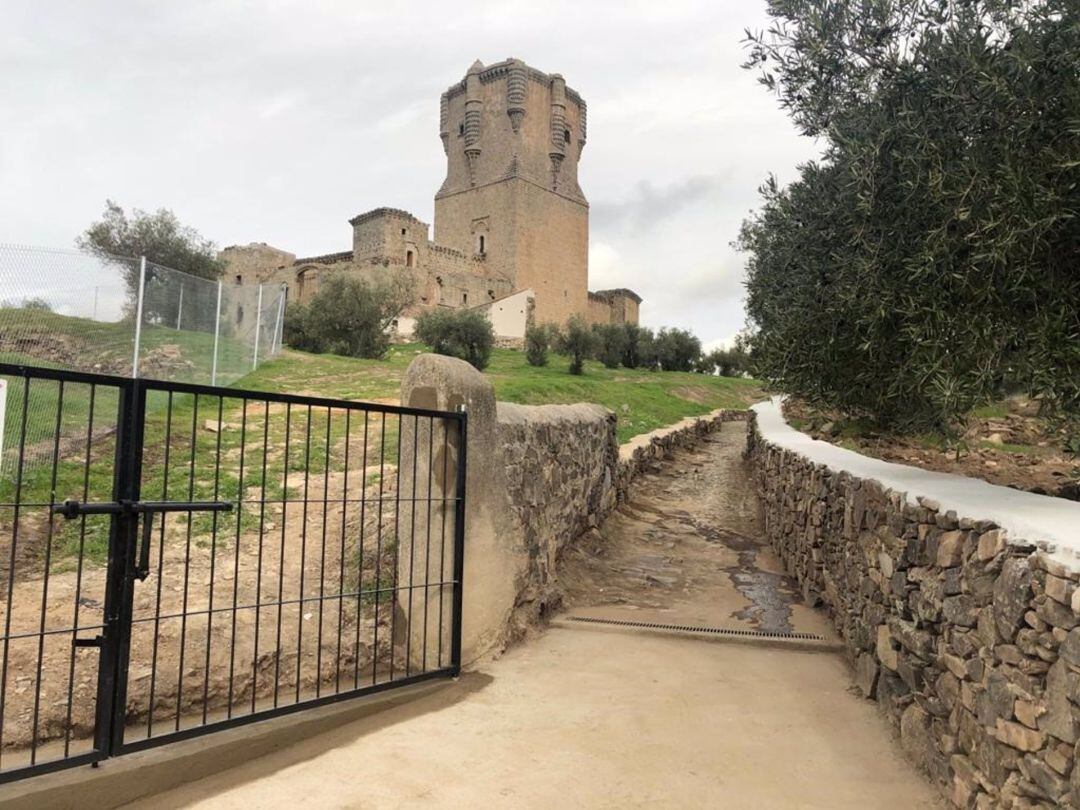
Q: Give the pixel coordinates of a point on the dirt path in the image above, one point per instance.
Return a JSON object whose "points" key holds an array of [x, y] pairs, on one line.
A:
{"points": [[688, 550], [598, 716]]}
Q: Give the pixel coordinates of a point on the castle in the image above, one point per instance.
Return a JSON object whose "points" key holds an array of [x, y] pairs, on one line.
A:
{"points": [[511, 231]]}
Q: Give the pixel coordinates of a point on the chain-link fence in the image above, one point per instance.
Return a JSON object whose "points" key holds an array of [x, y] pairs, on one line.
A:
{"points": [[123, 316], [130, 317]]}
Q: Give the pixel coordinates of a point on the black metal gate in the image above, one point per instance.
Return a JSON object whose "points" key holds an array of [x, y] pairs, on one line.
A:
{"points": [[178, 559]]}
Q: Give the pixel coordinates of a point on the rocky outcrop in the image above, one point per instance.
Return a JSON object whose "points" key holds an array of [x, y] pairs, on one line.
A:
{"points": [[967, 637]]}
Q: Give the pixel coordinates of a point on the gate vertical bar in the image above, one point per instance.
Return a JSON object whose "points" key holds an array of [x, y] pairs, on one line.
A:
{"points": [[459, 542], [123, 535]]}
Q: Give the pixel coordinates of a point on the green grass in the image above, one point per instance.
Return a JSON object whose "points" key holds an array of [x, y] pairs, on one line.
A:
{"points": [[642, 400], [996, 410], [108, 347]]}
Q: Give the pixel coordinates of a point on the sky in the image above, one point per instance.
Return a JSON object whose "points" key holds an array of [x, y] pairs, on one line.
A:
{"points": [[277, 121]]}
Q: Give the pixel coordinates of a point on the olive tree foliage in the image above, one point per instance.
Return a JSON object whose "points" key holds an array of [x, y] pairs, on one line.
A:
{"points": [[576, 341], [611, 343], [930, 261], [463, 333], [538, 339], [159, 236], [348, 316], [677, 349], [731, 362]]}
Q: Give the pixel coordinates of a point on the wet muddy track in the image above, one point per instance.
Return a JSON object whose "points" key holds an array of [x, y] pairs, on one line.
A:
{"points": [[688, 541]]}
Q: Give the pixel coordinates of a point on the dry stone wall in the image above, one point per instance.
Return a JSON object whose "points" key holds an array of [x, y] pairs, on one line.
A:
{"points": [[965, 635], [564, 473], [538, 477]]}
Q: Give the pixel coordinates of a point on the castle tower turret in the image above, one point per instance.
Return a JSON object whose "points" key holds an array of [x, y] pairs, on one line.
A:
{"points": [[513, 137]]}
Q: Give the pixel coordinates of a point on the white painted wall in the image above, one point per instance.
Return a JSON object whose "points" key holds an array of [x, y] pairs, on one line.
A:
{"points": [[509, 315]]}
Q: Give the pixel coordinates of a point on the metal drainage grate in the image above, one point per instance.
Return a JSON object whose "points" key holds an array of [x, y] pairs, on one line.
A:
{"points": [[685, 628]]}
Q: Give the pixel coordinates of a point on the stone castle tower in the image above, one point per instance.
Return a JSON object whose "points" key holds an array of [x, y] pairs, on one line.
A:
{"points": [[511, 231], [513, 137]]}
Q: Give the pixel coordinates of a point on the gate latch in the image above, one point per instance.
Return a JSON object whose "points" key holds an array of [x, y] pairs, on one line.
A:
{"points": [[71, 509]]}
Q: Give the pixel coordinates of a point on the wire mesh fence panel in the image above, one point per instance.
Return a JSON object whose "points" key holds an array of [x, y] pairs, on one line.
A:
{"points": [[107, 315], [66, 309]]}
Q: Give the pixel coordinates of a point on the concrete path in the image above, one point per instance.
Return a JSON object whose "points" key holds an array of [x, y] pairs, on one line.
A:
{"points": [[601, 716]]}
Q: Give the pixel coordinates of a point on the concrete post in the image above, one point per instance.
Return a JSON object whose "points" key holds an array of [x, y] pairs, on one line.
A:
{"points": [[493, 551]]}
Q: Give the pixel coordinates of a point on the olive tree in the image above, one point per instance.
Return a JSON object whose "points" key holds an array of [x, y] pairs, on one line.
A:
{"points": [[928, 261]]}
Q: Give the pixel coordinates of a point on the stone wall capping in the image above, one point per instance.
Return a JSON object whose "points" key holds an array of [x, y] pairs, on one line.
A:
{"points": [[1051, 524]]}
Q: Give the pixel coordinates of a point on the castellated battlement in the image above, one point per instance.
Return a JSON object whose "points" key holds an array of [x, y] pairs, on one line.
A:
{"points": [[510, 121], [510, 215]]}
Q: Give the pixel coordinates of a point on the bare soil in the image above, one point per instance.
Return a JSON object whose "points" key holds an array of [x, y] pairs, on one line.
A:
{"points": [[224, 623], [593, 716], [1018, 450]]}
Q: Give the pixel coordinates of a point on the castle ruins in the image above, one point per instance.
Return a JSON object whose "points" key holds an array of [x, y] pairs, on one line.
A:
{"points": [[511, 223]]}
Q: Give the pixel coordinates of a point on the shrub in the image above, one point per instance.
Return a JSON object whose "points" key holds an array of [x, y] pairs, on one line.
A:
{"points": [[538, 339], [677, 349], [725, 362], [611, 340], [348, 316], [577, 342], [648, 357], [462, 333], [635, 336]]}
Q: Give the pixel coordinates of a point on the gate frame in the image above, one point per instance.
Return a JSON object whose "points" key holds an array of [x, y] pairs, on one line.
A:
{"points": [[114, 645]]}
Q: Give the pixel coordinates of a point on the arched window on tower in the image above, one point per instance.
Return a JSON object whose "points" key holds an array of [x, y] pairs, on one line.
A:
{"points": [[566, 136], [483, 246], [409, 262]]}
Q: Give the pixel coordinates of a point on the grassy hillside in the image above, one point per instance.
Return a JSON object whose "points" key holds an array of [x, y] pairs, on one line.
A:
{"points": [[643, 400]]}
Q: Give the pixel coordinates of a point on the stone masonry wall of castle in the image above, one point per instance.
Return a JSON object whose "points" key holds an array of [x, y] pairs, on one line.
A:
{"points": [[967, 639], [510, 214]]}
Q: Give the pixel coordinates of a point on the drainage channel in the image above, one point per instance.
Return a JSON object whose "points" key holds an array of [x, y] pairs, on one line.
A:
{"points": [[685, 628]]}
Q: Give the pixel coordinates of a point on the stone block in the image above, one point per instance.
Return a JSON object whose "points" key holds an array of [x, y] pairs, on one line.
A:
{"points": [[1060, 589], [1027, 712], [1012, 596], [886, 652], [950, 550], [991, 544], [1018, 736], [866, 675], [1060, 717], [917, 738]]}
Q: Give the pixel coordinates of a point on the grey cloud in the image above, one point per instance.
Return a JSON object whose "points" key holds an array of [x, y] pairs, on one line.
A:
{"points": [[648, 206], [277, 120]]}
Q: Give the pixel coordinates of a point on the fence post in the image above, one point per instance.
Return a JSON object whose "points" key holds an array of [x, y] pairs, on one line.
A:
{"points": [[217, 331], [138, 317], [275, 345], [258, 326], [180, 308]]}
